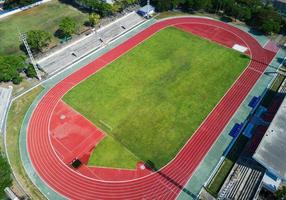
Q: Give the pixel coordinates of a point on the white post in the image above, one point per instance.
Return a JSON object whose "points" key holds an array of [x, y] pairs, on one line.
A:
{"points": [[148, 7]]}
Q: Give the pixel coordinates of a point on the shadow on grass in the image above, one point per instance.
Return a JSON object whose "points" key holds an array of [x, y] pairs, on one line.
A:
{"points": [[150, 165]]}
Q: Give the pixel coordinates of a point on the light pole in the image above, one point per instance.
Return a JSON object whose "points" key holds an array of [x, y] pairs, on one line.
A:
{"points": [[23, 38]]}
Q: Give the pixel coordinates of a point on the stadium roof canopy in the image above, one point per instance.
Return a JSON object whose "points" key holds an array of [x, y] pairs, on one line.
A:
{"points": [[271, 152]]}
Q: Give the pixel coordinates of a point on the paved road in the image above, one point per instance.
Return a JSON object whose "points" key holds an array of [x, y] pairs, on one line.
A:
{"points": [[5, 98]]}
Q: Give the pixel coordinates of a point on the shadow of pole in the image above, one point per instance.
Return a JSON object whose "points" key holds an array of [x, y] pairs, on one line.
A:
{"points": [[149, 164]]}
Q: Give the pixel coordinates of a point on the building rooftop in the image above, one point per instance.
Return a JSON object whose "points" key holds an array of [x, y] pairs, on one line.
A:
{"points": [[146, 8], [272, 149]]}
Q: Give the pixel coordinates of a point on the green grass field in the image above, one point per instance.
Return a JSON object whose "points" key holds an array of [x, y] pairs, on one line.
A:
{"points": [[154, 97], [112, 154], [45, 17]]}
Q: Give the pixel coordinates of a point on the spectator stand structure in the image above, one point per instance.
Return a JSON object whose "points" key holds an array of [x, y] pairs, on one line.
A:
{"points": [[80, 48]]}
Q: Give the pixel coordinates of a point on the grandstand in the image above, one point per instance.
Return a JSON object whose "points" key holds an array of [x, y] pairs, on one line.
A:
{"points": [[71, 52], [243, 181], [115, 29]]}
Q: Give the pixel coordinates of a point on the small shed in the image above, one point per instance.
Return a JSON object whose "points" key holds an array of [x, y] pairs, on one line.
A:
{"points": [[146, 11]]}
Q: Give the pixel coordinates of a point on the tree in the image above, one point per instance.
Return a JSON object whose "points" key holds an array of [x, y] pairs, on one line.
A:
{"points": [[270, 26], [67, 27], [5, 174], [281, 193], [11, 67], [100, 7], [30, 71], [8, 4], [267, 20], [94, 19], [38, 39]]}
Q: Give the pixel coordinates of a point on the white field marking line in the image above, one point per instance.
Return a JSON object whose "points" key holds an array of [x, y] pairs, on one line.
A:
{"points": [[230, 118], [65, 165], [145, 40], [78, 61], [99, 129], [116, 168], [32, 164], [80, 39], [79, 115], [106, 125]]}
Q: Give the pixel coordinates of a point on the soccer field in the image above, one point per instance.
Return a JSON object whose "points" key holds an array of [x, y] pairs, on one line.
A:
{"points": [[152, 99]]}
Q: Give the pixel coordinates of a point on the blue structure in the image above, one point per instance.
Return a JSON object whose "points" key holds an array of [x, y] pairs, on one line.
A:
{"points": [[236, 130], [254, 101], [146, 11]]}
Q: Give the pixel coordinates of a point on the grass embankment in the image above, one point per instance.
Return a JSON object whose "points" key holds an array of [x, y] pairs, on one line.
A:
{"points": [[15, 118], [153, 98], [44, 17]]}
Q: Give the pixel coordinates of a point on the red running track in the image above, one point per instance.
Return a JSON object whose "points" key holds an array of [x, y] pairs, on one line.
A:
{"points": [[169, 181]]}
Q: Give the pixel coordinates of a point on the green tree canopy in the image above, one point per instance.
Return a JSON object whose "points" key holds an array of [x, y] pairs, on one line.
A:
{"points": [[5, 174], [100, 7], [267, 20], [94, 19], [261, 16], [68, 26], [11, 67], [38, 39], [281, 193]]}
